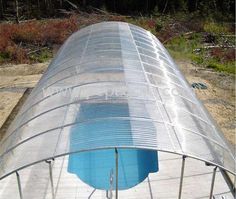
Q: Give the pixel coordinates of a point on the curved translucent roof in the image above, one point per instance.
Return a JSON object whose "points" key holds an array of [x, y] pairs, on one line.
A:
{"points": [[104, 64]]}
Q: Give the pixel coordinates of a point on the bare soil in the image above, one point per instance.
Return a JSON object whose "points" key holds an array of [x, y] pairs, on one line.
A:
{"points": [[218, 98], [14, 82]]}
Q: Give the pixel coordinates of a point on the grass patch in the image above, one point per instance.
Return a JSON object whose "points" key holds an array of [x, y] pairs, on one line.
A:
{"points": [[41, 56], [227, 67], [224, 61], [193, 47], [215, 28], [4, 56], [197, 59], [182, 47]]}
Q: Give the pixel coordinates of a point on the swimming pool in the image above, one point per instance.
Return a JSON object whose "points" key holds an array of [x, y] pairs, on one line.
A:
{"points": [[97, 168]]}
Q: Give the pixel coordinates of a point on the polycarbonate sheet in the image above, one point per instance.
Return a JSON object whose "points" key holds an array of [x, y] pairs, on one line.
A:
{"points": [[113, 63]]}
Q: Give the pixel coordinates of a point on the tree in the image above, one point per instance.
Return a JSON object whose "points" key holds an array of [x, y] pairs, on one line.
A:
{"points": [[1, 9], [48, 8], [17, 11]]}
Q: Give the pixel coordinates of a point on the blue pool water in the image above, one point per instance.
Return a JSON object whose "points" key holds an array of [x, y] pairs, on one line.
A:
{"points": [[96, 168]]}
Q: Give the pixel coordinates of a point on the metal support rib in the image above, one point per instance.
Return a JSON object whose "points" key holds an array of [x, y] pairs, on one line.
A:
{"points": [[91, 193], [230, 182], [212, 182], [51, 177], [116, 152], [107, 195], [19, 185], [150, 188], [182, 176]]}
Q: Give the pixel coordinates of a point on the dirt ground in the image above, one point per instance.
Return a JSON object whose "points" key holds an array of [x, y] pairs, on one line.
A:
{"points": [[14, 81], [219, 97], [22, 75], [7, 103]]}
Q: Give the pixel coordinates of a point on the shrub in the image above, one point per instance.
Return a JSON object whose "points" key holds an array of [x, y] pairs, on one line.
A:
{"points": [[17, 40], [225, 67], [223, 55], [198, 59], [215, 28]]}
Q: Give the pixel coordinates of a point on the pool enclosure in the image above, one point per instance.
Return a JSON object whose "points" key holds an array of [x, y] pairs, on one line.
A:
{"points": [[114, 103]]}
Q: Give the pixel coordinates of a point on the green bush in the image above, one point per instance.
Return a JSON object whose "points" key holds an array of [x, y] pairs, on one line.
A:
{"points": [[198, 59], [215, 28], [227, 67], [42, 56]]}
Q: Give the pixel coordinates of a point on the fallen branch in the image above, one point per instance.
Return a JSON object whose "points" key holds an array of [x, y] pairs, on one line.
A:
{"points": [[72, 4], [105, 13], [101, 11], [228, 35], [218, 46], [66, 12], [189, 33], [28, 20]]}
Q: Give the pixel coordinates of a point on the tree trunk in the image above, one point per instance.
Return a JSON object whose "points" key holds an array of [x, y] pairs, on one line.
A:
{"points": [[61, 3], [17, 11], [196, 5], [214, 2], [114, 1], [147, 5], [38, 9], [45, 6], [50, 7], [164, 10], [27, 4], [1, 9]]}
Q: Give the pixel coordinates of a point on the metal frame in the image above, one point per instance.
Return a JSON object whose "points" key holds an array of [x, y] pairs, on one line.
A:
{"points": [[19, 185], [181, 176], [92, 193], [212, 182], [116, 158], [123, 147], [150, 188], [49, 162], [231, 183]]}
